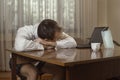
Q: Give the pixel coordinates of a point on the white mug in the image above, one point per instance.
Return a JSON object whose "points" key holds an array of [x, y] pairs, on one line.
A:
{"points": [[95, 46]]}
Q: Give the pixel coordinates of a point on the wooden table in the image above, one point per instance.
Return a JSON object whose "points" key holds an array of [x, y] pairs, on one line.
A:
{"points": [[79, 64]]}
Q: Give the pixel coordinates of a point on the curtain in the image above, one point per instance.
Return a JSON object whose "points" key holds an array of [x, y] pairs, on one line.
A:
{"points": [[76, 17]]}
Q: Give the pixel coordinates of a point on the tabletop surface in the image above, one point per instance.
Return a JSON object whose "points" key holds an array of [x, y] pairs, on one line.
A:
{"points": [[68, 57]]}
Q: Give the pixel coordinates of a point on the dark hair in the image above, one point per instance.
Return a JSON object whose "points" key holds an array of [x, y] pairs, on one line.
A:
{"points": [[47, 29]]}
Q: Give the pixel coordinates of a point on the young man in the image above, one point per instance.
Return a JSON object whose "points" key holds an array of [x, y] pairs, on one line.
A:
{"points": [[46, 35]]}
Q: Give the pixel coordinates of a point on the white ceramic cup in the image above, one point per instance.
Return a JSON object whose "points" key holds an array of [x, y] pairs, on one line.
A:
{"points": [[95, 46]]}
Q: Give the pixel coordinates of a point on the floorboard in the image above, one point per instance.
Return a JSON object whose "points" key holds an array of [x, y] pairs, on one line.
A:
{"points": [[7, 76]]}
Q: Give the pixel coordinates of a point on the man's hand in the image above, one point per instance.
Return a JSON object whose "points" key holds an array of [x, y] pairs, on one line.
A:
{"points": [[38, 40], [48, 44]]}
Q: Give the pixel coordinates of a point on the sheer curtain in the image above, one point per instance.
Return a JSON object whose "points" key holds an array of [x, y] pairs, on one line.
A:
{"points": [[76, 17]]}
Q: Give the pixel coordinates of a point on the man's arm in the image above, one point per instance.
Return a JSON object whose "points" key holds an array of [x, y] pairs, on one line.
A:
{"points": [[47, 44], [66, 41]]}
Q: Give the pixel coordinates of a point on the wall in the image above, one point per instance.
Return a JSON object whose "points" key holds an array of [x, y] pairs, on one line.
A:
{"points": [[102, 12], [113, 20], [108, 15]]}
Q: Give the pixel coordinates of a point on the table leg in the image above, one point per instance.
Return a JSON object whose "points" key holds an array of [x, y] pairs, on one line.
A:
{"points": [[68, 73], [14, 57]]}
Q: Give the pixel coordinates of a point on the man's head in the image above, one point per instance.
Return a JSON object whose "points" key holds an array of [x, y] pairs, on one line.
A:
{"points": [[48, 29]]}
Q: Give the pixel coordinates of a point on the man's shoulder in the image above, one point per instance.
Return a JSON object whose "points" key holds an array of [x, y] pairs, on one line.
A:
{"points": [[29, 27], [63, 36]]}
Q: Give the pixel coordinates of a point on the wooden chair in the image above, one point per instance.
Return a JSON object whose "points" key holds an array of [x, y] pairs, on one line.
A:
{"points": [[44, 76]]}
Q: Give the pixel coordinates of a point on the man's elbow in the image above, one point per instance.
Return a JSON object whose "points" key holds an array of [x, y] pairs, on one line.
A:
{"points": [[19, 48], [69, 45], [72, 44], [75, 44]]}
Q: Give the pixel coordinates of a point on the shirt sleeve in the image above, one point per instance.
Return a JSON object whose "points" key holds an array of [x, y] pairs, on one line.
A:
{"points": [[24, 40], [66, 41]]}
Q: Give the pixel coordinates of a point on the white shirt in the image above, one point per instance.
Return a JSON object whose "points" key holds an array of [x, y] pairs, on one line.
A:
{"points": [[25, 36]]}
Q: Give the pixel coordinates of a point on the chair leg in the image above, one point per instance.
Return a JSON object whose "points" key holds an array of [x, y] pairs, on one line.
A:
{"points": [[22, 77], [39, 77], [46, 76]]}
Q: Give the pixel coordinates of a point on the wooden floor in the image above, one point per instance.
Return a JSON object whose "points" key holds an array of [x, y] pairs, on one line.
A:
{"points": [[7, 76]]}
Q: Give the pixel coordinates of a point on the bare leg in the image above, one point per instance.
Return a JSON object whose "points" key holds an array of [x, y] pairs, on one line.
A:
{"points": [[29, 71], [57, 71]]}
